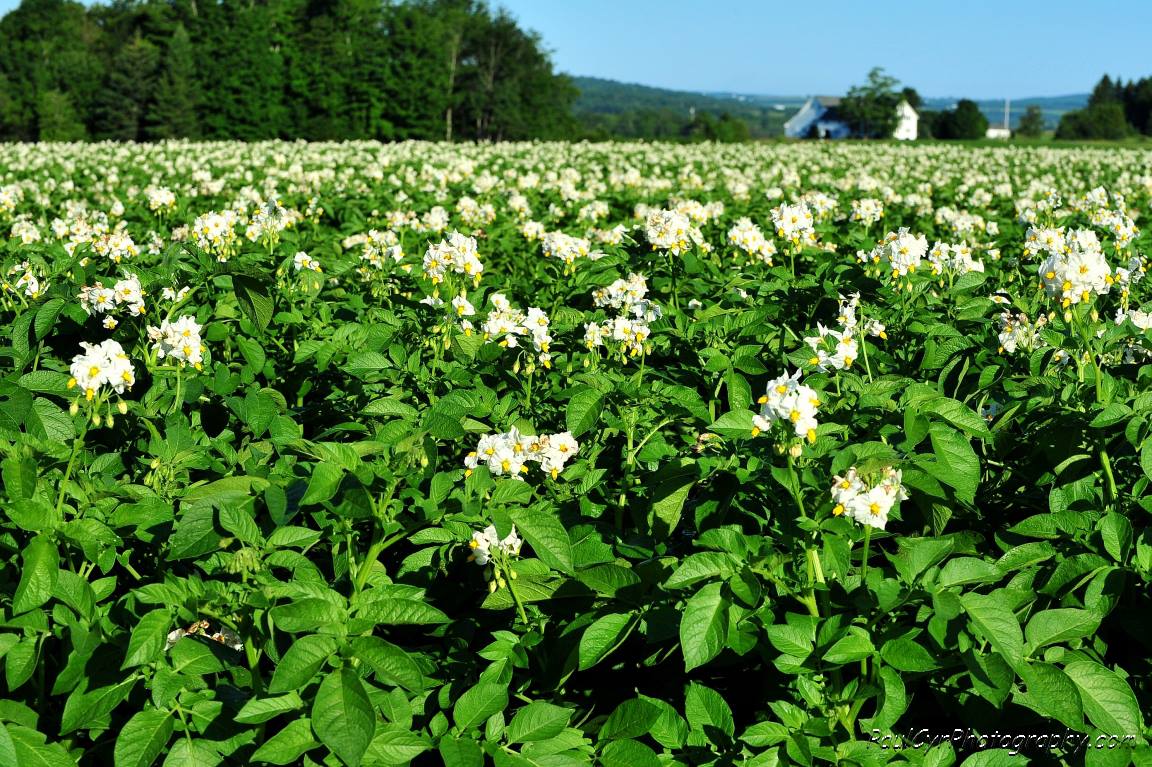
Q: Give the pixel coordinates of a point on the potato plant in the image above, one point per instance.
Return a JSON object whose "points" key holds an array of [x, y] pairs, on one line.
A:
{"points": [[547, 454]]}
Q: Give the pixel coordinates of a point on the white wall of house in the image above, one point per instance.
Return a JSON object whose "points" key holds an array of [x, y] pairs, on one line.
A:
{"points": [[908, 127], [998, 133]]}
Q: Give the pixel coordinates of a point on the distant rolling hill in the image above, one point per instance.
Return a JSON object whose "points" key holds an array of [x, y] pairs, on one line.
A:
{"points": [[610, 105]]}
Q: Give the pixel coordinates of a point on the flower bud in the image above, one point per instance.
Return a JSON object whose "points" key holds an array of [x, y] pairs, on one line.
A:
{"points": [[796, 450], [491, 586], [74, 408], [122, 406]]}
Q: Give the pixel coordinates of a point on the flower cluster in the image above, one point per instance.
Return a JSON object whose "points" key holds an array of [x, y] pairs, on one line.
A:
{"points": [[179, 340], [867, 211], [457, 255], [483, 543], [304, 262], [567, 248], [672, 231], [509, 453], [1017, 332], [794, 223], [787, 401], [125, 294], [868, 502], [160, 199], [953, 259], [1077, 271], [269, 221], [746, 236], [630, 330], [27, 282], [115, 246], [900, 252], [506, 325], [101, 365], [215, 233], [838, 349]]}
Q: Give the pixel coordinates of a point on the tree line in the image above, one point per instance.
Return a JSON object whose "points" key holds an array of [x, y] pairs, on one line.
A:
{"points": [[1115, 110], [262, 69]]}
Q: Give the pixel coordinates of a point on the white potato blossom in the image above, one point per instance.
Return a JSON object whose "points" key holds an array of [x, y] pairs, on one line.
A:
{"points": [[455, 255], [671, 231], [304, 262], [838, 349], [215, 233], [508, 326], [900, 252], [101, 365], [484, 542], [868, 501], [867, 211], [1018, 333], [26, 281], [953, 260], [160, 199], [179, 341], [787, 401], [748, 237], [794, 223], [1078, 272], [509, 453]]}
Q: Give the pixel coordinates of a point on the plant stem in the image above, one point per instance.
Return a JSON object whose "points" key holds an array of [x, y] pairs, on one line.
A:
{"points": [[864, 560], [76, 444]]}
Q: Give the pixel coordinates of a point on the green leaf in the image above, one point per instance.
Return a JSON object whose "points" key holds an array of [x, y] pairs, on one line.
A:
{"points": [[735, 424], [260, 710], [993, 618], [537, 721], [959, 415], [148, 638], [583, 410], [301, 662], [907, 655], [478, 703], [962, 571], [252, 295], [460, 752], [195, 533], [1051, 693], [38, 575], [631, 719], [703, 626], [547, 536], [670, 487], [142, 738], [342, 716], [192, 753], [602, 637], [705, 708], [957, 463], [1108, 701], [628, 753], [288, 745], [323, 483], [849, 649], [1057, 625], [395, 745], [389, 662]]}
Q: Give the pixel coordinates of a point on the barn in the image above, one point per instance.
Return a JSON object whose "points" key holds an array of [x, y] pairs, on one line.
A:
{"points": [[820, 118]]}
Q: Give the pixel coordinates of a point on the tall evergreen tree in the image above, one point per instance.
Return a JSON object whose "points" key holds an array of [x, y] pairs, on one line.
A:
{"points": [[173, 110]]}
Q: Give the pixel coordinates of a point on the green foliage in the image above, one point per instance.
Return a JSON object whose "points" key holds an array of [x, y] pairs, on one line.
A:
{"points": [[346, 69], [1031, 124], [870, 109], [965, 121], [297, 550]]}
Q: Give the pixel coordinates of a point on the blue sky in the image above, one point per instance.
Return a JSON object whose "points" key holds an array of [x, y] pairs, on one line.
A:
{"points": [[973, 48]]}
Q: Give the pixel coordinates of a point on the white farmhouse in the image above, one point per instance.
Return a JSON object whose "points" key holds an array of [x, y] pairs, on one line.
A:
{"points": [[820, 118]]}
